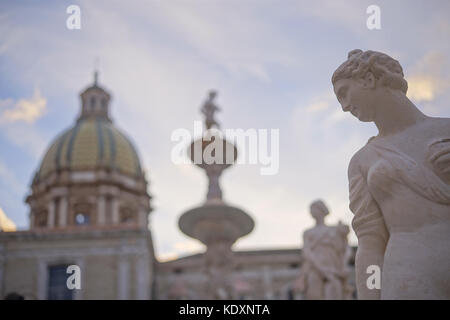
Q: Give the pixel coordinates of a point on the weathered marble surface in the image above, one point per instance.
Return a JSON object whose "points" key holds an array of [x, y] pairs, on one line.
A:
{"points": [[399, 183], [324, 273]]}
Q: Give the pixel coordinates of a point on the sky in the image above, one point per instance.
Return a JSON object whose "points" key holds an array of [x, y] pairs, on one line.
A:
{"points": [[271, 63]]}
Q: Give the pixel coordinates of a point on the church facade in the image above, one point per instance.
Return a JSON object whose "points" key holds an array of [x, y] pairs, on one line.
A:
{"points": [[89, 207]]}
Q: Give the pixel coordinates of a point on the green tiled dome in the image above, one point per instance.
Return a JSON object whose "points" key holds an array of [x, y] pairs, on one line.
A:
{"points": [[93, 143]]}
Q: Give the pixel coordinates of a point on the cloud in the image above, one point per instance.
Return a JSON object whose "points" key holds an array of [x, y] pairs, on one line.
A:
{"points": [[180, 249], [351, 15], [427, 79], [188, 246], [27, 137], [26, 110], [422, 88], [255, 70], [6, 224], [317, 106], [238, 42], [159, 60], [320, 110]]}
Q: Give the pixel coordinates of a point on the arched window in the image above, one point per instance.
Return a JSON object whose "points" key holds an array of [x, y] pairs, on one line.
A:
{"points": [[81, 218], [92, 105], [82, 213], [127, 216], [104, 104]]}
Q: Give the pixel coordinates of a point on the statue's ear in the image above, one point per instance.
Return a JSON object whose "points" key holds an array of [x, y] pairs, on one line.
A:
{"points": [[369, 80]]}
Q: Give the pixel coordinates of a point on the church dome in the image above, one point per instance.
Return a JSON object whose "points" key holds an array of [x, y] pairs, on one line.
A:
{"points": [[90, 176], [92, 143]]}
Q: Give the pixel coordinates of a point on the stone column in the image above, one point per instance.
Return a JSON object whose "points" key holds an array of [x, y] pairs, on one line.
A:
{"points": [[63, 211], [101, 210], [51, 214], [123, 279], [267, 280], [32, 219], [142, 277], [142, 218], [115, 210], [42, 279]]}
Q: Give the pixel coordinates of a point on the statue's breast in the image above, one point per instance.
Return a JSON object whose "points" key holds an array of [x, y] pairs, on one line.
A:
{"points": [[438, 155], [324, 236], [411, 191], [422, 165]]}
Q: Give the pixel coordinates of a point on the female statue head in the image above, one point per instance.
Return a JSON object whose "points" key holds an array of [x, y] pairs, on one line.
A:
{"points": [[364, 78], [212, 94], [319, 211]]}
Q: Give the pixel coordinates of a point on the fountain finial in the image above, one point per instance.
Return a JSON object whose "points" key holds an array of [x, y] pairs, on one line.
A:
{"points": [[209, 108]]}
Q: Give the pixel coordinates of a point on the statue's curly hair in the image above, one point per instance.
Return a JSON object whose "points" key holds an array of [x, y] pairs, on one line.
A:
{"points": [[386, 70]]}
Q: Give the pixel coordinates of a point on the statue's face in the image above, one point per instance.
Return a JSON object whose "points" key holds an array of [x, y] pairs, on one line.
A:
{"points": [[318, 214], [358, 97]]}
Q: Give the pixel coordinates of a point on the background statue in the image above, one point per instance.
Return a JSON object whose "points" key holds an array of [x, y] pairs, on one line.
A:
{"points": [[324, 273], [399, 183], [209, 108]]}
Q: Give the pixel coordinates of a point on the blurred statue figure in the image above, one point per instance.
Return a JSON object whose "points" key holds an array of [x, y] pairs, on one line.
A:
{"points": [[209, 108], [324, 274], [399, 183]]}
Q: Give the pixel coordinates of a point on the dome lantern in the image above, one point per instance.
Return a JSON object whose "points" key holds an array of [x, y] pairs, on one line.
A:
{"points": [[95, 101]]}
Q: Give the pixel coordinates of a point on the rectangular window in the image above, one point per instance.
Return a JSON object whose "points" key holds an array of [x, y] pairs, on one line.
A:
{"points": [[57, 283]]}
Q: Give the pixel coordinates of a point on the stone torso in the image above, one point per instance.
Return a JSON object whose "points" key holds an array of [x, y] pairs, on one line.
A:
{"points": [[407, 176]]}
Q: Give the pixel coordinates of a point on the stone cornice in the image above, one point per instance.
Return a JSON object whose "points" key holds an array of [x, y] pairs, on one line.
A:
{"points": [[75, 233]]}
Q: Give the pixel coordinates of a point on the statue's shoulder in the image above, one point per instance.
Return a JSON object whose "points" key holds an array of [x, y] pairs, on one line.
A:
{"points": [[308, 232], [360, 157], [441, 125], [312, 233]]}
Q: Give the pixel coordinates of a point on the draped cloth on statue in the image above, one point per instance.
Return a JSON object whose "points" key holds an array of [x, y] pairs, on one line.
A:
{"points": [[406, 202]]}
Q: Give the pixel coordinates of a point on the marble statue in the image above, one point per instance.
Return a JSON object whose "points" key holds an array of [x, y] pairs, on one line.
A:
{"points": [[208, 109], [324, 273], [399, 183]]}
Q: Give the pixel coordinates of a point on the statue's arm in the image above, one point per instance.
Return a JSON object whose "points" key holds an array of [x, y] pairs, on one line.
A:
{"points": [[307, 253], [370, 229]]}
